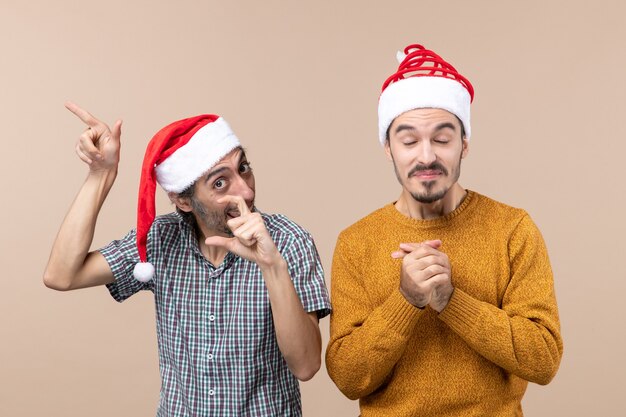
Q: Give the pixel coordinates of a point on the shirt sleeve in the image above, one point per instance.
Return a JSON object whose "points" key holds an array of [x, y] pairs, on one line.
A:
{"points": [[307, 275], [122, 255], [365, 344]]}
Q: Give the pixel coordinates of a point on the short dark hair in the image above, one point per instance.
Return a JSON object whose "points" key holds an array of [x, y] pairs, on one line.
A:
{"points": [[457, 118], [189, 193]]}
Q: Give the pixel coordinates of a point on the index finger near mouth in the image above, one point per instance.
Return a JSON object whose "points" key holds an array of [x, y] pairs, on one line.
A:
{"points": [[239, 201], [82, 114]]}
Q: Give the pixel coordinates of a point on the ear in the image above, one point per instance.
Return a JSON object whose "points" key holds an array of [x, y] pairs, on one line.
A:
{"points": [[388, 150], [183, 203], [465, 150]]}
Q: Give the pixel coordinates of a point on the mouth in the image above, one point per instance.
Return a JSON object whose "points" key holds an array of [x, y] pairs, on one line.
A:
{"points": [[427, 175], [233, 212]]}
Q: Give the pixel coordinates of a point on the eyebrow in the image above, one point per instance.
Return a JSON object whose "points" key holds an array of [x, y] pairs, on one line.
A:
{"points": [[439, 127], [445, 125], [400, 128], [242, 157]]}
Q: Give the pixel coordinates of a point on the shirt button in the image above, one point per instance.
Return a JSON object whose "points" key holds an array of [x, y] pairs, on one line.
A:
{"points": [[211, 317], [209, 356], [211, 392]]}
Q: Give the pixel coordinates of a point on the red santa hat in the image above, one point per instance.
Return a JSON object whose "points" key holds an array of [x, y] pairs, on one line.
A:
{"points": [[176, 157], [423, 80]]}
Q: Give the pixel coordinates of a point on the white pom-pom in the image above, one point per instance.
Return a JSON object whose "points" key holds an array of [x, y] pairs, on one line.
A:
{"points": [[400, 56], [144, 271]]}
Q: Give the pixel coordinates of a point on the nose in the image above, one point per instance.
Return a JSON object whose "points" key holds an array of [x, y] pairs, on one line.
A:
{"points": [[243, 188], [425, 153]]}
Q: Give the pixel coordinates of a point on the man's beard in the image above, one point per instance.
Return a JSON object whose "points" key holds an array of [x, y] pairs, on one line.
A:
{"points": [[212, 220], [428, 196]]}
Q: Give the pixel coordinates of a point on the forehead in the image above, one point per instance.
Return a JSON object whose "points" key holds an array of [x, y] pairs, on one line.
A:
{"points": [[230, 161], [232, 157], [425, 119]]}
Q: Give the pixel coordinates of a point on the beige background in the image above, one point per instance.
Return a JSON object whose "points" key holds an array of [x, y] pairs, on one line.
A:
{"points": [[299, 82]]}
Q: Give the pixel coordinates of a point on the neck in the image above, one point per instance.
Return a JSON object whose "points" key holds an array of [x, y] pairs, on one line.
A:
{"points": [[213, 254], [412, 208]]}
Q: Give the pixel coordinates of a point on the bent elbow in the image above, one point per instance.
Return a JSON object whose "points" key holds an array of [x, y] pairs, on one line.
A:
{"points": [[351, 383], [306, 373], [544, 372], [350, 389], [54, 283], [544, 377]]}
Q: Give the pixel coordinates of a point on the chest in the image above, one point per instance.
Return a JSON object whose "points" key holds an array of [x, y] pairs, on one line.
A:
{"points": [[226, 308], [479, 265]]}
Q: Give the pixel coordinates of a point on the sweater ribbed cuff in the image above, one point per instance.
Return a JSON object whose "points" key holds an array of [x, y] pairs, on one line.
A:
{"points": [[462, 312], [401, 316]]}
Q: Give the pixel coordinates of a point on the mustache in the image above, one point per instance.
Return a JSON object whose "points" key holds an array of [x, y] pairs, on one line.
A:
{"points": [[435, 166], [234, 209]]}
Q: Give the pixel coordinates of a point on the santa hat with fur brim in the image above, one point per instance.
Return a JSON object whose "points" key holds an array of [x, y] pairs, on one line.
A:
{"points": [[176, 157], [423, 80]]}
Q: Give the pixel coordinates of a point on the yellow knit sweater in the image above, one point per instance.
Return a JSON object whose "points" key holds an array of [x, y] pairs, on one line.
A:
{"points": [[499, 330]]}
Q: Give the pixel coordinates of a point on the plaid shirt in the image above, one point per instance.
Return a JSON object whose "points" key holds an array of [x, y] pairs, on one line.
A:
{"points": [[218, 353]]}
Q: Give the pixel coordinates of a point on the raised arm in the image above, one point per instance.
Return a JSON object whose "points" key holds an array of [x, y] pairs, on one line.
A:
{"points": [[71, 265]]}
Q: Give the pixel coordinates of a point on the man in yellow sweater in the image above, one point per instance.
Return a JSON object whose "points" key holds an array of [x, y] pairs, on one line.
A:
{"points": [[443, 302]]}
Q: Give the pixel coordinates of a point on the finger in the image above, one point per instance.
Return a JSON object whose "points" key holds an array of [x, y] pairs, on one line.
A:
{"points": [[247, 233], [247, 219], [424, 264], [436, 281], [82, 155], [235, 223], [220, 242], [410, 247], [399, 254], [85, 142], [117, 130], [238, 201], [435, 244], [232, 245], [82, 114], [434, 271]]}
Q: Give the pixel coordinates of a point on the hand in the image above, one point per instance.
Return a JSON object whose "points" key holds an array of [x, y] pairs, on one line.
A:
{"points": [[252, 241], [425, 275], [98, 146]]}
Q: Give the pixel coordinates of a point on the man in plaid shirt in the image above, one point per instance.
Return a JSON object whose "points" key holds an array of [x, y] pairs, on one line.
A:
{"points": [[238, 292]]}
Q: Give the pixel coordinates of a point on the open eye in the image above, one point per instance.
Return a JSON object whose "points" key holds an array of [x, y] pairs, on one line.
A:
{"points": [[245, 167], [219, 183]]}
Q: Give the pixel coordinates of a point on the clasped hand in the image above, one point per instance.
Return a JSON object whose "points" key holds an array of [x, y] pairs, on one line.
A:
{"points": [[425, 277]]}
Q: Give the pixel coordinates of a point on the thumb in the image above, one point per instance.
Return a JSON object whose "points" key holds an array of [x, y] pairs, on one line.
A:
{"points": [[435, 244], [116, 132], [219, 241]]}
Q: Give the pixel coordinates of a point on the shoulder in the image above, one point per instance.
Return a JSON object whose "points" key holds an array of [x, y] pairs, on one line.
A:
{"points": [[281, 227], [513, 222], [168, 227], [166, 221], [498, 212], [369, 226]]}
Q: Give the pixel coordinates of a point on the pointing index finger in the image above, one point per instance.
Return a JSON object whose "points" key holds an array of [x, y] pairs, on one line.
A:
{"points": [[239, 201], [82, 114]]}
